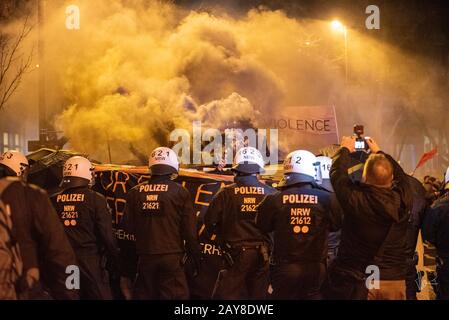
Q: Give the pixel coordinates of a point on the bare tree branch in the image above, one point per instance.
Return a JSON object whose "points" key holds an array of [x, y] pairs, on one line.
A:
{"points": [[17, 79], [11, 55]]}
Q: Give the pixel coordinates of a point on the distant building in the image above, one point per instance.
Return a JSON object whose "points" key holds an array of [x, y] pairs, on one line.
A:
{"points": [[12, 134]]}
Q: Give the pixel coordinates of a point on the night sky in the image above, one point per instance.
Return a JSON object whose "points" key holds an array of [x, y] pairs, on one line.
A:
{"points": [[421, 27]]}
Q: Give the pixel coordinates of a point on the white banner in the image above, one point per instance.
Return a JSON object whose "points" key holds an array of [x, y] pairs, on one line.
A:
{"points": [[305, 127]]}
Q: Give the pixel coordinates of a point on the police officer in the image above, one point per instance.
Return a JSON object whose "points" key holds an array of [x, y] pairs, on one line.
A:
{"points": [[87, 222], [231, 216], [45, 249], [14, 163], [436, 231], [160, 214], [324, 181], [301, 215]]}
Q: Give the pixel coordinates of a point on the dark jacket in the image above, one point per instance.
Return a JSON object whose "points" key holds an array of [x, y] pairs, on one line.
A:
{"points": [[232, 212], [41, 237], [375, 224], [87, 221], [160, 214], [301, 216], [436, 226], [417, 214], [334, 237], [414, 226]]}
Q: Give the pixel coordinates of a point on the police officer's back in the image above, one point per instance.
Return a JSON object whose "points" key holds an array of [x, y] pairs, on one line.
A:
{"points": [[87, 222], [301, 215], [160, 215], [231, 215], [436, 231], [45, 249]]}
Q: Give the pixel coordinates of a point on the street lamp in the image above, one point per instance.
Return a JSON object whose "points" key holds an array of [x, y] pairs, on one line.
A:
{"points": [[337, 25], [340, 27]]}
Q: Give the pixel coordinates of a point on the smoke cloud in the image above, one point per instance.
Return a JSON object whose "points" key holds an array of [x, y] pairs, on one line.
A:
{"points": [[135, 70]]}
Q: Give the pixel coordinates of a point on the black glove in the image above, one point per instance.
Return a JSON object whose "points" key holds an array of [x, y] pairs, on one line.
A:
{"points": [[111, 264], [194, 253]]}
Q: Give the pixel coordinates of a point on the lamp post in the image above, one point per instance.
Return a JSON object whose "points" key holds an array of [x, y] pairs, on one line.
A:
{"points": [[340, 27]]}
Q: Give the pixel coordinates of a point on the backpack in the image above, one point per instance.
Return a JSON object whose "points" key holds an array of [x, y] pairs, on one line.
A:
{"points": [[10, 260]]}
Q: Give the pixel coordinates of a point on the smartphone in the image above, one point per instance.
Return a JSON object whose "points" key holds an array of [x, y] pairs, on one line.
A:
{"points": [[360, 144]]}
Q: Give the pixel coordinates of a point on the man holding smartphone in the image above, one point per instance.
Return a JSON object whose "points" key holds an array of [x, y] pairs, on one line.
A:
{"points": [[374, 227]]}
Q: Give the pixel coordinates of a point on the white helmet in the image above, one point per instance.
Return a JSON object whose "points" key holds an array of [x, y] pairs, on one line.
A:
{"points": [[163, 161], [325, 167], [325, 164], [248, 160], [78, 167], [299, 166], [15, 161]]}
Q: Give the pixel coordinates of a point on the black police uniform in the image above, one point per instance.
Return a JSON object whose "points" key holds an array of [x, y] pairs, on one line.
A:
{"points": [[436, 231], [87, 222], [231, 216], [160, 215], [201, 285], [41, 238], [301, 216]]}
